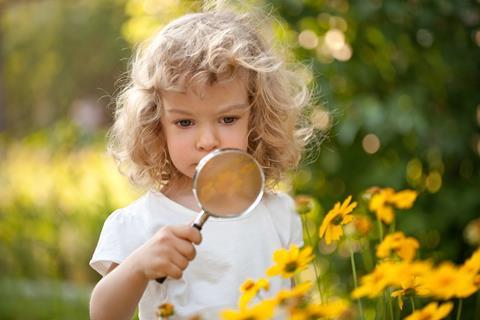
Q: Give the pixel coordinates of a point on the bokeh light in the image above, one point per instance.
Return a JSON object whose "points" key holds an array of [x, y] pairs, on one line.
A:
{"points": [[323, 53], [477, 37], [343, 54], [433, 182], [476, 144], [308, 39], [414, 171], [338, 23], [333, 45], [334, 39], [424, 38], [472, 232], [371, 143], [321, 119]]}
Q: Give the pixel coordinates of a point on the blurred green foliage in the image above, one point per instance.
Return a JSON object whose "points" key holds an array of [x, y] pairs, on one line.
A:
{"points": [[57, 52], [55, 195], [58, 186], [396, 85], [412, 84]]}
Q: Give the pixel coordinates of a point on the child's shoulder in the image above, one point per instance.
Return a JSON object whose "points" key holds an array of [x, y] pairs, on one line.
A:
{"points": [[278, 198], [145, 211], [280, 205], [131, 211]]}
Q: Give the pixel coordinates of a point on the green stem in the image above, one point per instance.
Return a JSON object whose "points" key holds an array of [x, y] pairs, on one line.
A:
{"points": [[354, 271], [477, 303], [380, 308], [380, 229], [366, 255], [392, 226], [317, 278], [390, 306], [412, 302], [459, 310]]}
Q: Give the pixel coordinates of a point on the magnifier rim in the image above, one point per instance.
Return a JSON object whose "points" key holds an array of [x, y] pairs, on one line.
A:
{"points": [[214, 154]]}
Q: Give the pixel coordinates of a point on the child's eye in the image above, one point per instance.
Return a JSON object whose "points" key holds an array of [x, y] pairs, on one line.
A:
{"points": [[184, 123], [229, 120]]}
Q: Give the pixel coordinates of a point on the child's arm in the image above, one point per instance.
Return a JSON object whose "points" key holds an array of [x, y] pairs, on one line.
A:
{"points": [[167, 254]]}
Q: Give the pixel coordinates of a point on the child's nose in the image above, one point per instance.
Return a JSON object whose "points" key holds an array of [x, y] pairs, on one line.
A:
{"points": [[207, 140]]}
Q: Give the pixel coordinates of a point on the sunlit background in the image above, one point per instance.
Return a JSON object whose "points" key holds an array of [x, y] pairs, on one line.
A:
{"points": [[397, 87]]}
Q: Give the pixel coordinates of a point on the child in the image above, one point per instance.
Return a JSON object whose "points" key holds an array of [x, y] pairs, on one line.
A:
{"points": [[206, 81]]}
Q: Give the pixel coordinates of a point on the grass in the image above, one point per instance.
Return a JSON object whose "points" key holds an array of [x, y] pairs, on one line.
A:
{"points": [[46, 299]]}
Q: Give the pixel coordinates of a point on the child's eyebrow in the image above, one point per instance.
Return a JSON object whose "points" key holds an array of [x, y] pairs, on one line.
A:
{"points": [[233, 107], [179, 111], [237, 106]]}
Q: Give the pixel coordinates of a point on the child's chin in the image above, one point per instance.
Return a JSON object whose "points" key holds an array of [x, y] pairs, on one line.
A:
{"points": [[188, 174]]}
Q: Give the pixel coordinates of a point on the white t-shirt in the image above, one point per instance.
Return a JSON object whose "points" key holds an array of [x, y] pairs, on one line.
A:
{"points": [[231, 250]]}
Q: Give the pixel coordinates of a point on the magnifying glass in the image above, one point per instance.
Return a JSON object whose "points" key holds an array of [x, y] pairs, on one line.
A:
{"points": [[227, 183]]}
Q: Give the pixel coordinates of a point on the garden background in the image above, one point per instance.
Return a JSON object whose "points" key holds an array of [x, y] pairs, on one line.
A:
{"points": [[397, 84]]}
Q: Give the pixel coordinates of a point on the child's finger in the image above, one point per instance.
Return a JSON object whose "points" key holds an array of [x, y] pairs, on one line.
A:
{"points": [[188, 233], [173, 271], [179, 261], [186, 249]]}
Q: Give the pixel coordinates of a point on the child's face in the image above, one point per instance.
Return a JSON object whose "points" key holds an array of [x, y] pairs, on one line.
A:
{"points": [[194, 125]]}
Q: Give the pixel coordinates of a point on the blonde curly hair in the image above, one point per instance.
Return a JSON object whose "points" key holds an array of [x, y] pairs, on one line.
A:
{"points": [[204, 48]]}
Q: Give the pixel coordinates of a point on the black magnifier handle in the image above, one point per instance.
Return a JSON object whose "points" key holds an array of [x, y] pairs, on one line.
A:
{"points": [[161, 280], [195, 225]]}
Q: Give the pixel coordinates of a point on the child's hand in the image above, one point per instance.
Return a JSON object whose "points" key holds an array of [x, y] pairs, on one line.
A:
{"points": [[168, 252]]}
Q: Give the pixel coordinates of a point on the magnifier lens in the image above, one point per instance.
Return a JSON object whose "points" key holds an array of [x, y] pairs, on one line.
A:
{"points": [[229, 183]]}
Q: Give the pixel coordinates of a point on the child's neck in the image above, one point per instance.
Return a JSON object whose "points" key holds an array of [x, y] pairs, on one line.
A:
{"points": [[181, 192]]}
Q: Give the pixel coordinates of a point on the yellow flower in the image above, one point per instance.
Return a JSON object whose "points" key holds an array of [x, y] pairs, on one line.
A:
{"points": [[284, 296], [389, 273], [448, 281], [288, 262], [331, 227], [382, 201], [329, 310], [404, 199], [250, 289], [165, 310], [368, 194], [379, 204], [362, 224], [472, 265], [411, 286], [374, 283], [385, 214], [262, 311], [397, 243], [432, 312], [476, 281]]}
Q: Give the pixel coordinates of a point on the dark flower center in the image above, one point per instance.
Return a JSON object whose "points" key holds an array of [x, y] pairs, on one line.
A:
{"points": [[337, 220], [291, 266], [410, 292]]}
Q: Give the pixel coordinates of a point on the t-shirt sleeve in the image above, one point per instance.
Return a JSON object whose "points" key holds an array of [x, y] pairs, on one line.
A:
{"points": [[117, 240], [286, 219]]}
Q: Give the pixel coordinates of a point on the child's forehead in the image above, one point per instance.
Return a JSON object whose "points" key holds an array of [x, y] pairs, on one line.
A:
{"points": [[233, 90], [199, 89]]}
